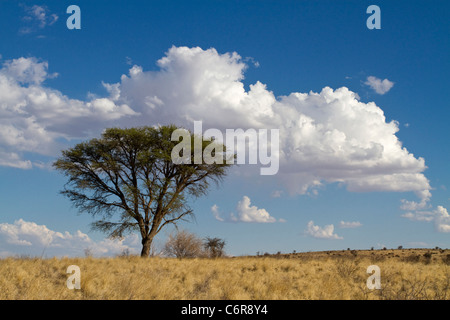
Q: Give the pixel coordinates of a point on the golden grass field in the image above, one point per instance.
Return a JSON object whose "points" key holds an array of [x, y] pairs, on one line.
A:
{"points": [[405, 274]]}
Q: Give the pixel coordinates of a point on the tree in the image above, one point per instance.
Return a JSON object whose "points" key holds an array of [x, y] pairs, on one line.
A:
{"points": [[214, 247], [183, 245], [129, 175]]}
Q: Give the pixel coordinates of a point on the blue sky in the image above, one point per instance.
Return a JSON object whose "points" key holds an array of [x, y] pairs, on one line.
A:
{"points": [[54, 92]]}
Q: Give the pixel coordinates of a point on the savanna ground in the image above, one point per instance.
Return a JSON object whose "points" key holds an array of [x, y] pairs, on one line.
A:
{"points": [[405, 274]]}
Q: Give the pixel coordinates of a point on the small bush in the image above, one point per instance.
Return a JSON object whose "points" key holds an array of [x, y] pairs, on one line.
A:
{"points": [[184, 244], [427, 256]]}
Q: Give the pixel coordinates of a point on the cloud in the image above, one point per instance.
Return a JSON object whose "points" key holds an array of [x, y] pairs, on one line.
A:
{"points": [[276, 193], [37, 18], [442, 219], [28, 238], [420, 216], [216, 213], [27, 70], [246, 213], [327, 232], [13, 160], [349, 224], [380, 86], [37, 119], [328, 136], [252, 61], [325, 137], [439, 216]]}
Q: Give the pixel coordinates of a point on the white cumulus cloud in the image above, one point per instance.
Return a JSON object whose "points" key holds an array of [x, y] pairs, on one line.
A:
{"points": [[36, 119], [29, 238], [380, 86], [439, 216], [27, 70], [325, 137], [245, 213], [326, 232], [248, 213]]}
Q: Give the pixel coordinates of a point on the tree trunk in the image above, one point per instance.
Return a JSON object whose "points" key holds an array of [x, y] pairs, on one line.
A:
{"points": [[146, 246]]}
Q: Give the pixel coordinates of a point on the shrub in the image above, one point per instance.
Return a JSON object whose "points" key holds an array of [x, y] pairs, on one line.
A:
{"points": [[427, 255], [214, 247], [183, 244], [412, 258]]}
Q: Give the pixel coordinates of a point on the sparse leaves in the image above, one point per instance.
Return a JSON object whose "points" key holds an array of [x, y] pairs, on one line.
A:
{"points": [[183, 244]]}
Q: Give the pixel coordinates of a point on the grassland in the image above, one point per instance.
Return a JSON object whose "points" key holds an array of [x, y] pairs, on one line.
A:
{"points": [[405, 274]]}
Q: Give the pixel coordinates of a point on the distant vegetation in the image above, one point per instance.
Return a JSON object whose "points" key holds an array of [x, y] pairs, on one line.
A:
{"points": [[405, 274], [184, 244]]}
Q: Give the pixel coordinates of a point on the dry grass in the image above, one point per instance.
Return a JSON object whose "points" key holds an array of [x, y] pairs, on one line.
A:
{"points": [[405, 274]]}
